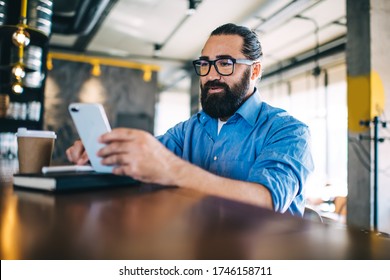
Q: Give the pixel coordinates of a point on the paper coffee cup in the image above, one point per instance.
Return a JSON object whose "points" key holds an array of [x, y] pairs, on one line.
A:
{"points": [[35, 148]]}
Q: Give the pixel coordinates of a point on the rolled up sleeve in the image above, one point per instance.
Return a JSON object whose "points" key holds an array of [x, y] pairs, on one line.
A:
{"points": [[283, 166]]}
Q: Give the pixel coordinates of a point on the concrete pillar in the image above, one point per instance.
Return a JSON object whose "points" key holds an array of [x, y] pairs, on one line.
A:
{"points": [[368, 22]]}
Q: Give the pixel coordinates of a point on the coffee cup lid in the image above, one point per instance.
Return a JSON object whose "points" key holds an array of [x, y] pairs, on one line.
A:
{"points": [[23, 132]]}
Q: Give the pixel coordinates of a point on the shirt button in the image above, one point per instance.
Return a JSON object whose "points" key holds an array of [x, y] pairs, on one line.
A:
{"points": [[215, 157]]}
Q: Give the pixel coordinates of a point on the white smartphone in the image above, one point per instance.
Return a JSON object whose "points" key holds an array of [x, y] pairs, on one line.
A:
{"points": [[91, 121]]}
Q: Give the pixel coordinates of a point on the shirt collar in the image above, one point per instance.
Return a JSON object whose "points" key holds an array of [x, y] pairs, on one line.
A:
{"points": [[249, 111]]}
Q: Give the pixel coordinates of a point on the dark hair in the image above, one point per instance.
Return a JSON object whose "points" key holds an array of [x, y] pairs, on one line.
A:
{"points": [[251, 47]]}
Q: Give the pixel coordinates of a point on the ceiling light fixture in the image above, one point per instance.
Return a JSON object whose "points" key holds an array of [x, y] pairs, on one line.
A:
{"points": [[17, 87], [157, 49], [21, 39], [18, 71], [49, 62], [191, 7], [96, 71], [147, 74]]}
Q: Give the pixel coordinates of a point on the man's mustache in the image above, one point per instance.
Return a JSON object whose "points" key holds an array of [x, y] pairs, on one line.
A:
{"points": [[211, 84]]}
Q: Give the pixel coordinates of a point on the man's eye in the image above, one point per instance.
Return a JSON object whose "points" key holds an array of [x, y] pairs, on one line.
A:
{"points": [[203, 63], [225, 62]]}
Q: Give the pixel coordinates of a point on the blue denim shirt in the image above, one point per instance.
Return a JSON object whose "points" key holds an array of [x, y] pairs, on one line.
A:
{"points": [[259, 143]]}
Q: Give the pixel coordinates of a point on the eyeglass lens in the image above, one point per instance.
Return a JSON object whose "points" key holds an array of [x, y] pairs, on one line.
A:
{"points": [[224, 66]]}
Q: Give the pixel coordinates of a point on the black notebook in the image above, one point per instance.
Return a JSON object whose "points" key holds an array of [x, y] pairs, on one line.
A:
{"points": [[64, 181]]}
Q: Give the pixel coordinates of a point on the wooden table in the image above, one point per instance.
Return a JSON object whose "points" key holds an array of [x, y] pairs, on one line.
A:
{"points": [[153, 222]]}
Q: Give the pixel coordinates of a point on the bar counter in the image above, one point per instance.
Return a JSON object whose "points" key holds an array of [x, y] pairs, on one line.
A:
{"points": [[147, 222]]}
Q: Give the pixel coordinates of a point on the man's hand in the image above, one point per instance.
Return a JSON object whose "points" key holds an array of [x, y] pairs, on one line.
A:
{"points": [[77, 154], [137, 154]]}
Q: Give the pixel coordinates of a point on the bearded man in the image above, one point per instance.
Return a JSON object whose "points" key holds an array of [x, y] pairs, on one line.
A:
{"points": [[237, 146]]}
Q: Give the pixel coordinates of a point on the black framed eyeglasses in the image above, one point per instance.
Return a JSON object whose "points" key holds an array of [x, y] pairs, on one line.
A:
{"points": [[224, 66]]}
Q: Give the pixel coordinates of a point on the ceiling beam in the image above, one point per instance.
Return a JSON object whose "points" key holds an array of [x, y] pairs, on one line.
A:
{"points": [[83, 41], [331, 48]]}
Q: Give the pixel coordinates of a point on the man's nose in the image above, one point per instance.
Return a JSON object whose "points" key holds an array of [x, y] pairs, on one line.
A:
{"points": [[213, 74]]}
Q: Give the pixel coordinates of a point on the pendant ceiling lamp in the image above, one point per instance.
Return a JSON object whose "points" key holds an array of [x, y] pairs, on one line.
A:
{"points": [[21, 39]]}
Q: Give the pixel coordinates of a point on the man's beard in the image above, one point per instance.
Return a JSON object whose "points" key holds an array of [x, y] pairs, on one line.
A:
{"points": [[224, 104]]}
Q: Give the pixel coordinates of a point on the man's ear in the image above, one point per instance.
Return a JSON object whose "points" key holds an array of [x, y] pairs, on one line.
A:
{"points": [[256, 71]]}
